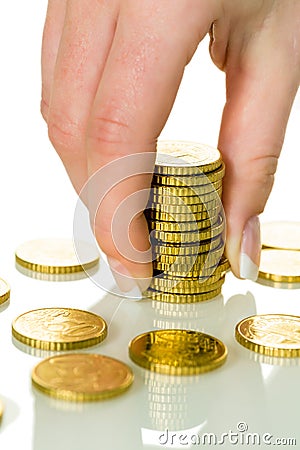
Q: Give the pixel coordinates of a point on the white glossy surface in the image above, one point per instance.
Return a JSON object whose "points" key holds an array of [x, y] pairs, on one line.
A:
{"points": [[37, 200]]}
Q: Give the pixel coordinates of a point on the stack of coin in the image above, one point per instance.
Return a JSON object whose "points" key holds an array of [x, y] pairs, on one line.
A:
{"points": [[186, 223]]}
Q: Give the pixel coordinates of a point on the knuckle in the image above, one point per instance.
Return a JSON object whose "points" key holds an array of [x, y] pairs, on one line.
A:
{"points": [[108, 127], [64, 134]]}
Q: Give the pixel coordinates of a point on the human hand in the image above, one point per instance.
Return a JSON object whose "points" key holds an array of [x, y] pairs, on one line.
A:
{"points": [[111, 70]]}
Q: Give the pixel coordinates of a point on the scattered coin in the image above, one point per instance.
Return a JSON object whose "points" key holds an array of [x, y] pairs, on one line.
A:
{"points": [[55, 256], [281, 266], [82, 377], [55, 329], [281, 235], [177, 352], [275, 335], [4, 291]]}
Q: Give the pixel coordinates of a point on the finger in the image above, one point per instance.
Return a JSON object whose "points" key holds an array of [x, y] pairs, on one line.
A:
{"points": [[135, 96], [85, 42], [261, 86], [53, 27]]}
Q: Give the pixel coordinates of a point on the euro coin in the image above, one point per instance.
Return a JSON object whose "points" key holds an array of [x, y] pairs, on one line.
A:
{"points": [[165, 199], [56, 256], [281, 266], [162, 248], [192, 287], [275, 335], [186, 181], [281, 235], [185, 298], [194, 191], [164, 284], [182, 208], [212, 258], [157, 214], [82, 377], [182, 227], [183, 270], [185, 158], [58, 329], [177, 352], [4, 291]]}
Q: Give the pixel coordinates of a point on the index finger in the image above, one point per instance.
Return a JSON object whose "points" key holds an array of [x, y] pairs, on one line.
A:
{"points": [[134, 99]]}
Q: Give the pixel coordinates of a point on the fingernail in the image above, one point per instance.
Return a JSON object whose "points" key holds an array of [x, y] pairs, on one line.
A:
{"points": [[122, 276], [250, 250]]}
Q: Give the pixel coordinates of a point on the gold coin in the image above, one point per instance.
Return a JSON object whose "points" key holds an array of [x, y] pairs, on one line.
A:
{"points": [[181, 298], [160, 282], [82, 377], [185, 158], [157, 214], [183, 227], [188, 249], [280, 265], [270, 334], [164, 199], [199, 260], [190, 287], [56, 256], [186, 181], [194, 191], [182, 208], [183, 270], [281, 235], [4, 291], [188, 237], [1, 411], [59, 328], [177, 352]]}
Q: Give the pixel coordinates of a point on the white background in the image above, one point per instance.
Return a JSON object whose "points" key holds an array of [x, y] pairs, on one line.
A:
{"points": [[37, 200]]}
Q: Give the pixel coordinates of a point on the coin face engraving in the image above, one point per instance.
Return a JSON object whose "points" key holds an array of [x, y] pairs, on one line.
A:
{"points": [[270, 334], [281, 332], [177, 351], [65, 325], [181, 154], [82, 376]]}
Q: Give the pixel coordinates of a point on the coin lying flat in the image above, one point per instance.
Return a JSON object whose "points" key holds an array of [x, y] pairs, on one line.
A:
{"points": [[281, 235], [156, 214], [185, 158], [184, 201], [4, 291], [177, 352], [186, 191], [270, 334], [183, 299], [82, 377], [55, 256], [185, 181], [161, 248], [281, 266], [59, 328]]}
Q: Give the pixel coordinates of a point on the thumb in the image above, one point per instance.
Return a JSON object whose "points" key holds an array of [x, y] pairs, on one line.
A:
{"points": [[260, 93]]}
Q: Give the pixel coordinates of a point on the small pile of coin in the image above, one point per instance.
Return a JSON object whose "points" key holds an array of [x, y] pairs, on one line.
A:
{"points": [[186, 223]]}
